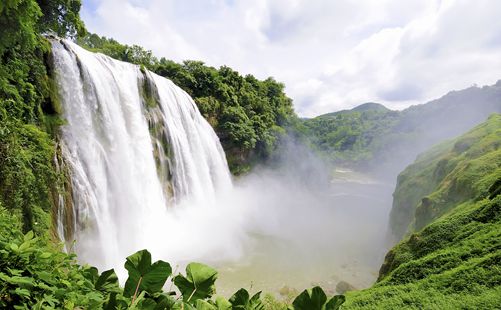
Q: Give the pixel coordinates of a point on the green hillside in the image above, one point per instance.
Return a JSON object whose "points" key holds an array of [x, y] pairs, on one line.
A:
{"points": [[454, 262], [447, 175], [369, 106], [373, 137]]}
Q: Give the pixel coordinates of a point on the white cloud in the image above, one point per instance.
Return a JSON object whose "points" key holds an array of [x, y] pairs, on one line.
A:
{"points": [[330, 54]]}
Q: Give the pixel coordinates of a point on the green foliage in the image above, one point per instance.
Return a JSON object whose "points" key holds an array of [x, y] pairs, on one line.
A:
{"points": [[241, 300], [26, 172], [198, 283], [36, 275], [144, 276], [238, 127], [315, 299], [107, 281], [250, 116], [18, 19], [353, 136], [61, 17], [335, 302], [28, 115]]}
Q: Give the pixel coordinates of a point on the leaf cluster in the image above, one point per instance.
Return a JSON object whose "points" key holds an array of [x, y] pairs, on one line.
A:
{"points": [[36, 276]]}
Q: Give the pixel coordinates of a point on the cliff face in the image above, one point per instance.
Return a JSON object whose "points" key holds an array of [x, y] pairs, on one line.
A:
{"points": [[449, 205]]}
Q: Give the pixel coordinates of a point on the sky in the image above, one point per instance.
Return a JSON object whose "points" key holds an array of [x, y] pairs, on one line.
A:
{"points": [[330, 54]]}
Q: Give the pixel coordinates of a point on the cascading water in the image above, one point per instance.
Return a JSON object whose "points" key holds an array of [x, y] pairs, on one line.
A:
{"points": [[136, 144]]}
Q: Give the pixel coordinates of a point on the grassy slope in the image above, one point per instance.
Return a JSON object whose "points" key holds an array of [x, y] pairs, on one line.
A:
{"points": [[455, 261], [448, 174]]}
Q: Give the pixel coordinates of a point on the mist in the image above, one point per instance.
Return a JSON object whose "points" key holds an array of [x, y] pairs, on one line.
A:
{"points": [[287, 225]]}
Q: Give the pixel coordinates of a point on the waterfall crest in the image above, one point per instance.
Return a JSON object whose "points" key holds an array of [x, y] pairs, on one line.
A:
{"points": [[136, 145]]}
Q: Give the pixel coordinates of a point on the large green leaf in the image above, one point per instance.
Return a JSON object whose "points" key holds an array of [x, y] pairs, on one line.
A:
{"points": [[181, 305], [310, 299], [164, 301], [91, 274], [335, 302], [241, 300], [107, 282], [255, 302], [116, 301], [111, 303], [147, 304], [222, 303], [29, 235], [198, 283], [23, 282], [142, 273], [203, 305]]}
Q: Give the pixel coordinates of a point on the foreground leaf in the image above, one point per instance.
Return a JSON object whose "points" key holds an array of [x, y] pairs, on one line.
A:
{"points": [[108, 282], [222, 303], [335, 302], [203, 305], [310, 299], [143, 276], [91, 274], [198, 283], [241, 300]]}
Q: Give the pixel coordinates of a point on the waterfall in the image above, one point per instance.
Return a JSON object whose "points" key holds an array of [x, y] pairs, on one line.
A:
{"points": [[136, 146]]}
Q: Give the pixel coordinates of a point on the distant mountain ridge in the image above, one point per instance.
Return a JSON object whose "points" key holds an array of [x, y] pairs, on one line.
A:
{"points": [[368, 106], [371, 136]]}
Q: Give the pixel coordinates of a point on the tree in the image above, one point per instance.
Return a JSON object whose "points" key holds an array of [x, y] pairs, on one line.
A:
{"points": [[61, 17]]}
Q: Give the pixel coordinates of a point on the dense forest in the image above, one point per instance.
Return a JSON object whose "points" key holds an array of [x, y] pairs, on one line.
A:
{"points": [[446, 211]]}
